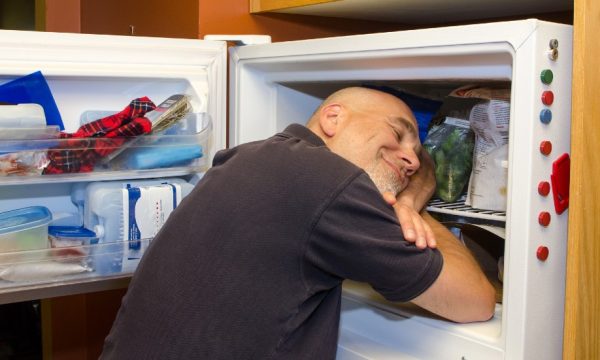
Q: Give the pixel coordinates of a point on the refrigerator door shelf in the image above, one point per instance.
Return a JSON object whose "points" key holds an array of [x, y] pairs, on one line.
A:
{"points": [[180, 150]]}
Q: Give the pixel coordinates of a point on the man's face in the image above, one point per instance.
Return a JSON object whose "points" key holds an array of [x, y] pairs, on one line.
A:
{"points": [[384, 142]]}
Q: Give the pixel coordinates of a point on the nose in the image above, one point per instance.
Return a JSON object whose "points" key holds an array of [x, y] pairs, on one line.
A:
{"points": [[411, 162]]}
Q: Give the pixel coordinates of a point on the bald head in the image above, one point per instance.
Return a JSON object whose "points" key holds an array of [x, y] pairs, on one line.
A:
{"points": [[359, 99]]}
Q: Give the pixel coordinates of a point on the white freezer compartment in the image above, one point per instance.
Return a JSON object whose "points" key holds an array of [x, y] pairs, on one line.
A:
{"points": [[90, 77], [280, 85]]}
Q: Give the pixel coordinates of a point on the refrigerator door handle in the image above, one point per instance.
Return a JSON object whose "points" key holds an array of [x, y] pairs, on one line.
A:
{"points": [[560, 182]]}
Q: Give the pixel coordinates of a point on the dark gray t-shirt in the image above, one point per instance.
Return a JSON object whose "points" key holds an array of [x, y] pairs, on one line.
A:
{"points": [[250, 265]]}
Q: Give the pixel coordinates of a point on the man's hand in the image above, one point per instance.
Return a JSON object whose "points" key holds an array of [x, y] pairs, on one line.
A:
{"points": [[412, 200], [414, 228]]}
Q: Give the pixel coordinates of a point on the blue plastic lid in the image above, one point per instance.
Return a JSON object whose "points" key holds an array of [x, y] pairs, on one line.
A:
{"points": [[70, 232], [23, 219]]}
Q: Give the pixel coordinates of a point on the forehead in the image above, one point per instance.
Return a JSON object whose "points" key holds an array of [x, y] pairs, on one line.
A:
{"points": [[396, 110]]}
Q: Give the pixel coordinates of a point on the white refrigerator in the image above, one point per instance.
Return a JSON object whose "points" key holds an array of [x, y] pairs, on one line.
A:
{"points": [[273, 85]]}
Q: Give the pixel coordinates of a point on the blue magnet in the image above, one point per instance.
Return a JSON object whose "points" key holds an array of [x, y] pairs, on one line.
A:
{"points": [[546, 116]]}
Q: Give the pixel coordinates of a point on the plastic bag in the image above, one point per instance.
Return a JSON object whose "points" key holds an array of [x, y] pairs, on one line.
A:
{"points": [[489, 120], [488, 186], [35, 271], [23, 163], [451, 147]]}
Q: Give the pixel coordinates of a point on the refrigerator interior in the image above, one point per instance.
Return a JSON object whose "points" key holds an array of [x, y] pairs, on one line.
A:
{"points": [[295, 102]]}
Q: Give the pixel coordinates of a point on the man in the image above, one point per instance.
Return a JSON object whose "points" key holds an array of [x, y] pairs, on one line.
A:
{"points": [[250, 265]]}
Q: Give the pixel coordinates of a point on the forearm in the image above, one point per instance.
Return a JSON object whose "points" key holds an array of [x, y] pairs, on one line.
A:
{"points": [[462, 292], [450, 246]]}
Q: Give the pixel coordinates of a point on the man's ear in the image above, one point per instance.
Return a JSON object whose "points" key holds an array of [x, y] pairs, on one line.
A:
{"points": [[329, 119]]}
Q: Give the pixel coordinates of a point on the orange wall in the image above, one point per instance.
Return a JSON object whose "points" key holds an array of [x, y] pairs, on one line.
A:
{"points": [[63, 16], [176, 19]]}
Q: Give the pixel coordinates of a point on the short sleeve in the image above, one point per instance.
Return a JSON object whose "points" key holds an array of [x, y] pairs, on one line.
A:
{"points": [[358, 237]]}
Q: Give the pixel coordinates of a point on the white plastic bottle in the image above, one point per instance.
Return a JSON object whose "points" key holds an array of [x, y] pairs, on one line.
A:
{"points": [[125, 215]]}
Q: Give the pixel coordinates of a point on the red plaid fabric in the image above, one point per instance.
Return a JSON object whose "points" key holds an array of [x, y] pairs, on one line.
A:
{"points": [[99, 138]]}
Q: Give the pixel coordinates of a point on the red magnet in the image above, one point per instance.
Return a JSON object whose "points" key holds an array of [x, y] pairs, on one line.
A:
{"points": [[546, 147], [544, 218], [547, 97], [560, 179], [544, 188], [542, 253]]}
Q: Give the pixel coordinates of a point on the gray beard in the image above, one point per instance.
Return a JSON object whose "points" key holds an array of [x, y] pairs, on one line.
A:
{"points": [[384, 180]]}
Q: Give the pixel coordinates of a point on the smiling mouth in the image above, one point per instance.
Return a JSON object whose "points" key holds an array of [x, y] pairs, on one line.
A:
{"points": [[401, 177]]}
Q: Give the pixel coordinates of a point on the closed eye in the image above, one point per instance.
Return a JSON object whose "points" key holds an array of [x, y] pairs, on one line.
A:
{"points": [[397, 123], [398, 134]]}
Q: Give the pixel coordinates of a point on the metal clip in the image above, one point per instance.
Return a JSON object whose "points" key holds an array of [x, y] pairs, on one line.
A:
{"points": [[241, 39]]}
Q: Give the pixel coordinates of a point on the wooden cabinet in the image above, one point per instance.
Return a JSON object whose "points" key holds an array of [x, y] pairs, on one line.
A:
{"points": [[413, 12], [582, 307]]}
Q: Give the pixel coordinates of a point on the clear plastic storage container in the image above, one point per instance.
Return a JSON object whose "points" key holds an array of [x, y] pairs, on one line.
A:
{"points": [[24, 229]]}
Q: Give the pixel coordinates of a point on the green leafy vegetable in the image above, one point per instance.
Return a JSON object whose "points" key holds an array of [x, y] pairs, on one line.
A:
{"points": [[451, 148]]}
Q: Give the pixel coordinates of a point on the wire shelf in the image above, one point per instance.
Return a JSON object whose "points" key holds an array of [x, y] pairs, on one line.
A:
{"points": [[460, 209]]}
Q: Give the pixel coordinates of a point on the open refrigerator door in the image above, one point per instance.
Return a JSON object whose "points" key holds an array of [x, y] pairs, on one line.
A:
{"points": [[126, 123]]}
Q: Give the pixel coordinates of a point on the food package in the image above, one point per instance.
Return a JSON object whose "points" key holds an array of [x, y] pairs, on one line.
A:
{"points": [[489, 120], [450, 143], [451, 147], [488, 183]]}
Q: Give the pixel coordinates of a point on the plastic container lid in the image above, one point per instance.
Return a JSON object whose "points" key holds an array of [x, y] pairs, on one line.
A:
{"points": [[24, 219], [70, 232]]}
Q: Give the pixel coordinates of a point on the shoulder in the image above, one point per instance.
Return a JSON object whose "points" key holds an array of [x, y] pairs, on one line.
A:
{"points": [[294, 150]]}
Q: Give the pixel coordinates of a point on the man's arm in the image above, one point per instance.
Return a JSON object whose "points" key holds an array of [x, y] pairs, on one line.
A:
{"points": [[412, 200], [461, 292]]}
